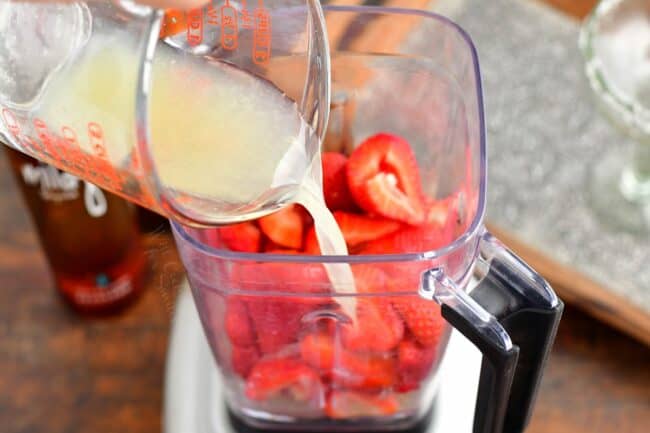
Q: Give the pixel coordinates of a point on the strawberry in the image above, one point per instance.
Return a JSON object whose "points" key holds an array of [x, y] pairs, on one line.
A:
{"points": [[363, 371], [238, 324], [277, 317], [427, 237], [377, 327], [318, 350], [335, 182], [270, 377], [347, 369], [422, 318], [284, 227], [244, 237], [311, 242], [358, 229], [414, 363], [243, 359], [350, 404], [384, 179], [281, 251]]}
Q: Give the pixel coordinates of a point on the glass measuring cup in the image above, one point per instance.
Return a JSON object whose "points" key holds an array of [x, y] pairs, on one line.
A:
{"points": [[279, 312], [182, 112]]}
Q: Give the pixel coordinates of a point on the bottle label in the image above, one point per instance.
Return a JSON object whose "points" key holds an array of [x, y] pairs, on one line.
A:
{"points": [[58, 186]]}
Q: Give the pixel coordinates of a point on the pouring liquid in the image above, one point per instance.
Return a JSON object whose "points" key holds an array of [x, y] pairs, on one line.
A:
{"points": [[218, 135]]}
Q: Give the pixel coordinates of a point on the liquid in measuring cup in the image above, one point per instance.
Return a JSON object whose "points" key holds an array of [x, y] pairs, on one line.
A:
{"points": [[224, 142]]}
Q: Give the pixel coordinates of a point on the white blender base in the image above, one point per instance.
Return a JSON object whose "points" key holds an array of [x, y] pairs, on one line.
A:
{"points": [[193, 402]]}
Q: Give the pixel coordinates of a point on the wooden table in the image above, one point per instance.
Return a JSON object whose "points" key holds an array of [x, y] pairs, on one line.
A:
{"points": [[60, 372]]}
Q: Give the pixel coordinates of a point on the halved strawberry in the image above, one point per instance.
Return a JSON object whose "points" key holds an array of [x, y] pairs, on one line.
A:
{"points": [[318, 350], [350, 404], [346, 369], [244, 237], [243, 359], [271, 377], [358, 229], [335, 182], [277, 312], [377, 327], [364, 371], [384, 179], [414, 363], [284, 227], [422, 317], [311, 242], [238, 324], [426, 237]]}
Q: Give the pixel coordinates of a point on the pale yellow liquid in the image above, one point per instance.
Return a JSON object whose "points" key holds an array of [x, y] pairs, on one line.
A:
{"points": [[216, 133]]}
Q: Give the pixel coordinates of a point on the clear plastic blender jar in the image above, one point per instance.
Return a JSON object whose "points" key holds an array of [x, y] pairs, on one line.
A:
{"points": [[186, 113], [281, 310]]}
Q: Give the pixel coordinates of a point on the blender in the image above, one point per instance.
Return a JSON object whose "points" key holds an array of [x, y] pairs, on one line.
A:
{"points": [[430, 95]]}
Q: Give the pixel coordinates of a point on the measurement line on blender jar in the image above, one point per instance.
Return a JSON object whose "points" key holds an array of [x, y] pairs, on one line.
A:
{"points": [[511, 316]]}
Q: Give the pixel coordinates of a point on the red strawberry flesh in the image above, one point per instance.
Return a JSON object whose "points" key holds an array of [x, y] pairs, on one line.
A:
{"points": [[271, 377], [350, 404], [284, 227], [335, 182], [384, 179]]}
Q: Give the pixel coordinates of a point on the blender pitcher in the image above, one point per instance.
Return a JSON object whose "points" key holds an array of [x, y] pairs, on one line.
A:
{"points": [[169, 109], [273, 321]]}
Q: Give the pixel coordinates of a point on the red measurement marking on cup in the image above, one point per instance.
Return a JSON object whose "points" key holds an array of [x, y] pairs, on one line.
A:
{"points": [[96, 137], [10, 121], [46, 138], [213, 17], [246, 16], [229, 32], [69, 136], [30, 143], [195, 26], [261, 35]]}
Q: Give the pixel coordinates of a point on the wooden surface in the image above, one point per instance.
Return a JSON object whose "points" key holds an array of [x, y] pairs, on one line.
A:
{"points": [[60, 372]]}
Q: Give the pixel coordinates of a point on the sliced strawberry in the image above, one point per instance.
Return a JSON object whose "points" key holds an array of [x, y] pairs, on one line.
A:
{"points": [[427, 237], [346, 369], [243, 237], [238, 324], [277, 316], [369, 278], [318, 350], [350, 404], [414, 363], [377, 327], [311, 242], [358, 229], [271, 377], [243, 359], [422, 318], [384, 179], [284, 227], [335, 182], [281, 251], [363, 371]]}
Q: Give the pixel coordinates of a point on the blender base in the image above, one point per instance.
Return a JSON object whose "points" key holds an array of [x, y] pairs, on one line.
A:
{"points": [[193, 400], [421, 426]]}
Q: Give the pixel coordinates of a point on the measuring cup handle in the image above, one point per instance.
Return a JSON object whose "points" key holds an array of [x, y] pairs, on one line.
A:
{"points": [[512, 317]]}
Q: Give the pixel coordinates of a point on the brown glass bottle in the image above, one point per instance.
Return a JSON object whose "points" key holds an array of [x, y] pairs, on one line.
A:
{"points": [[90, 237]]}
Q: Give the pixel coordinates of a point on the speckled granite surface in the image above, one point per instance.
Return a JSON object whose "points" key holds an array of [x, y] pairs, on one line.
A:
{"points": [[543, 132]]}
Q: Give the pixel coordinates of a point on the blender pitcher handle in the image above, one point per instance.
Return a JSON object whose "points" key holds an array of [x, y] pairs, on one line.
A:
{"points": [[512, 317]]}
